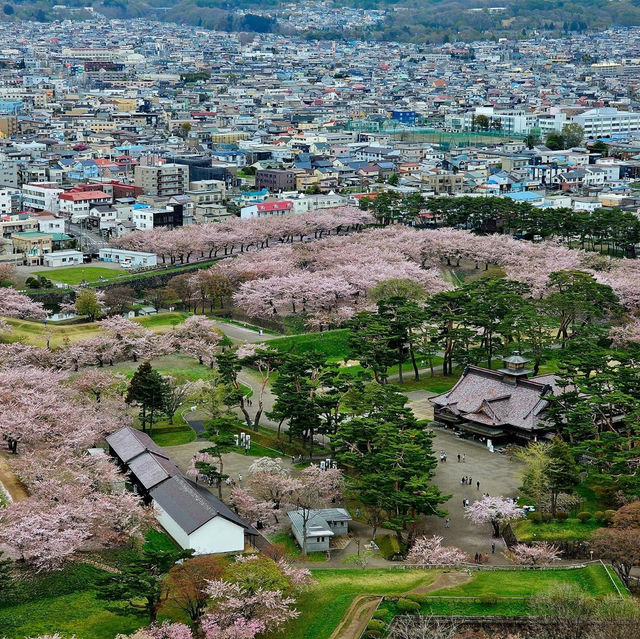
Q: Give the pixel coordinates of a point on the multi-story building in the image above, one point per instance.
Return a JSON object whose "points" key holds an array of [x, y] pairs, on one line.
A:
{"points": [[77, 203], [41, 196], [164, 180], [276, 180], [207, 197]]}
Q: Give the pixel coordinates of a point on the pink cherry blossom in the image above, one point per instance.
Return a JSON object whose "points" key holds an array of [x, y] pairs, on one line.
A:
{"points": [[429, 550]]}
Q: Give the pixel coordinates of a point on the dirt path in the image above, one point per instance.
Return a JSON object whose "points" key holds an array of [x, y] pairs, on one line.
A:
{"points": [[10, 482], [362, 607], [357, 617], [445, 580]]}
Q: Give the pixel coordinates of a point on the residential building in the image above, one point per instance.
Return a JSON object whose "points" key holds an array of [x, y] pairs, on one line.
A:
{"points": [[276, 180], [164, 180]]}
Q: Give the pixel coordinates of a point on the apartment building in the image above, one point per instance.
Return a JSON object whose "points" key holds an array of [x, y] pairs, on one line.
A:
{"points": [[41, 196], [164, 180], [276, 180]]}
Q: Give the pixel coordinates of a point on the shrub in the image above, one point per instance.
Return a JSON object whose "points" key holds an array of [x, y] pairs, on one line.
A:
{"points": [[562, 516], [372, 634], [376, 624], [609, 515], [406, 605], [389, 546], [379, 614], [483, 559], [584, 517], [536, 518], [546, 517], [488, 599], [417, 597], [599, 516]]}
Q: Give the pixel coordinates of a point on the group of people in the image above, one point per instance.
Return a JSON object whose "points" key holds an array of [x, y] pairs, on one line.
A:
{"points": [[467, 481], [443, 456]]}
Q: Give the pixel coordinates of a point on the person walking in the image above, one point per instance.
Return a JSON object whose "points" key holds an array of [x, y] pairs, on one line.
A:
{"points": [[464, 503], [470, 481], [464, 457], [478, 485], [447, 521], [458, 457], [493, 549], [239, 478]]}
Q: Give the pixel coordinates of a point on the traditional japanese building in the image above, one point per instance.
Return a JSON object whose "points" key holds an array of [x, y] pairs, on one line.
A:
{"points": [[504, 405]]}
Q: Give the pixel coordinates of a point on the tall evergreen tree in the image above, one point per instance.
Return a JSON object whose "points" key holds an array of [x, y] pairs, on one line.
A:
{"points": [[149, 390]]}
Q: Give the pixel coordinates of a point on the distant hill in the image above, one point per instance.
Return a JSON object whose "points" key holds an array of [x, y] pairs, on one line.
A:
{"points": [[422, 21]]}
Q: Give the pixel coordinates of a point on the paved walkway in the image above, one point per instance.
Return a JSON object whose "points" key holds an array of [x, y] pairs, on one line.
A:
{"points": [[241, 333], [497, 475]]}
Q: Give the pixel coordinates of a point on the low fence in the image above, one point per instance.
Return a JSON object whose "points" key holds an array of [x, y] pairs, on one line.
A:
{"points": [[486, 567]]}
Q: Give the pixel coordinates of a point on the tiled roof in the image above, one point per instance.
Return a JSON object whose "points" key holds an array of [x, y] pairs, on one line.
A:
{"points": [[482, 395]]}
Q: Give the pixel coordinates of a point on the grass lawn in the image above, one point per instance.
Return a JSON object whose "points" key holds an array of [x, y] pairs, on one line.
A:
{"points": [[332, 344], [293, 550], [323, 606], [504, 608], [570, 530], [78, 274], [174, 436], [35, 333], [436, 384], [592, 580], [63, 602], [182, 367]]}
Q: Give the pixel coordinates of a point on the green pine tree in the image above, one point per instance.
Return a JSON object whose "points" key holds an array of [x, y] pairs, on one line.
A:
{"points": [[149, 390]]}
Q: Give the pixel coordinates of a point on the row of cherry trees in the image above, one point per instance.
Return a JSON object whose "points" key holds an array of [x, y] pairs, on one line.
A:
{"points": [[76, 500], [207, 241], [329, 281], [119, 340]]}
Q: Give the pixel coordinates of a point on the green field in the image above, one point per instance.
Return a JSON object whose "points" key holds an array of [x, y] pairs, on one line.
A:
{"points": [[569, 530], [324, 604], [78, 274], [36, 333], [62, 602], [332, 344], [592, 580], [65, 601]]}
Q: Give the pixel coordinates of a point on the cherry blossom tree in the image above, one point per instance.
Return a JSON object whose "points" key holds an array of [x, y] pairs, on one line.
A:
{"points": [[198, 337], [76, 500], [429, 550], [239, 613], [493, 510], [14, 304], [541, 554], [165, 630]]}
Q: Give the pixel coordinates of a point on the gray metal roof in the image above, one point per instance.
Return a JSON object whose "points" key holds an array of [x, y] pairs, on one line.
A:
{"points": [[317, 525], [191, 506], [151, 469], [128, 443]]}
